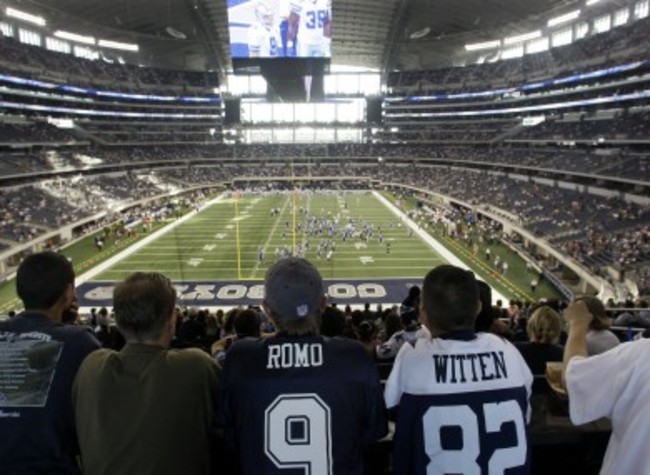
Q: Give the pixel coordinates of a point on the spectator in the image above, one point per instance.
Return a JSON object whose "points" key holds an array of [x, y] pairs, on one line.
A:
{"points": [[454, 380], [333, 322], [298, 399], [412, 331], [544, 328], [626, 373], [247, 324], [146, 409], [599, 338], [107, 333], [367, 333], [634, 319], [412, 300], [487, 319], [40, 436]]}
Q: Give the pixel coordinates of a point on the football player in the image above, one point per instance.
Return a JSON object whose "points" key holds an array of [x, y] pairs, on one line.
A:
{"points": [[264, 40], [310, 26]]}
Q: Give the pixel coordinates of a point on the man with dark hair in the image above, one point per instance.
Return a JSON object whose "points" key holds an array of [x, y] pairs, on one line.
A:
{"points": [[298, 400], [39, 357], [460, 397], [146, 409]]}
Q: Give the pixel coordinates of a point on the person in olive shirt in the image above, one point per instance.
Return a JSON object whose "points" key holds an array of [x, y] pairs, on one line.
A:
{"points": [[147, 409], [39, 357]]}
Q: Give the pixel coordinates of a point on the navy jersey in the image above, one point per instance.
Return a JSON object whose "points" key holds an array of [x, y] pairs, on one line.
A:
{"points": [[301, 405], [39, 359], [462, 407]]}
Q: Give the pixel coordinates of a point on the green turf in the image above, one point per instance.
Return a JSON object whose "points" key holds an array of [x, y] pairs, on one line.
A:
{"points": [[514, 285], [206, 247], [84, 256]]}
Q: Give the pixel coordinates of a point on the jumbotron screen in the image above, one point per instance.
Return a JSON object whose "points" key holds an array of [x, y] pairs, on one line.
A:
{"points": [[280, 28]]}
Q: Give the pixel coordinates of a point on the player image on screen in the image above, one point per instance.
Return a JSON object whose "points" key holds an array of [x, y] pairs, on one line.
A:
{"points": [[277, 28], [264, 38], [310, 27]]}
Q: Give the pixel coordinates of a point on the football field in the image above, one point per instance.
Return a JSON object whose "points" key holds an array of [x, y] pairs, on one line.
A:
{"points": [[239, 237]]}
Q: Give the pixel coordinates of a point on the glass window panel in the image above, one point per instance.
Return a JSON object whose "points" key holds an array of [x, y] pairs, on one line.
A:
{"points": [[29, 37], [246, 112], [370, 84], [349, 84], [282, 113], [257, 85], [238, 85], [641, 9], [537, 46], [325, 135], [602, 24], [516, 52], [348, 135], [283, 136], [6, 29], [582, 29], [331, 84], [562, 37], [304, 113], [54, 44], [621, 16], [325, 113], [305, 135], [262, 113]]}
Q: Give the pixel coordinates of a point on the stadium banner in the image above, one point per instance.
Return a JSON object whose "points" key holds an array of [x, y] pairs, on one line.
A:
{"points": [[251, 292]]}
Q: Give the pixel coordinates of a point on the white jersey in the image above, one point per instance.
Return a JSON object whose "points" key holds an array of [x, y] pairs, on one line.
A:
{"points": [[624, 399], [472, 391], [389, 349], [264, 42], [314, 15]]}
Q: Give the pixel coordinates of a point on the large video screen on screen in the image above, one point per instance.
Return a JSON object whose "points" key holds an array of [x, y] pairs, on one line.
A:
{"points": [[280, 28]]}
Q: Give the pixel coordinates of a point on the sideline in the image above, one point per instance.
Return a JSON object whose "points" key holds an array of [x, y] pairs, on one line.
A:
{"points": [[435, 245], [129, 251]]}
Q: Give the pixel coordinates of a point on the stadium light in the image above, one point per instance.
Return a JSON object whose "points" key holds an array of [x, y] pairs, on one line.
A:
{"points": [[66, 35], [118, 45], [564, 18], [28, 17], [592, 2], [481, 46], [511, 40]]}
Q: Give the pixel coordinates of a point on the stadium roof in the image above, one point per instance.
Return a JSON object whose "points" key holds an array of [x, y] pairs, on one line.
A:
{"points": [[378, 34]]}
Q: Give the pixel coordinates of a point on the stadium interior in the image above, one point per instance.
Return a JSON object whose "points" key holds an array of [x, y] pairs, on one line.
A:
{"points": [[512, 127]]}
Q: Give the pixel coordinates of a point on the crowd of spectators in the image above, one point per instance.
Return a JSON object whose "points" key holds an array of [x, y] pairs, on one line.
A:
{"points": [[628, 127], [622, 43], [40, 63], [554, 213], [30, 211], [608, 163], [32, 133]]}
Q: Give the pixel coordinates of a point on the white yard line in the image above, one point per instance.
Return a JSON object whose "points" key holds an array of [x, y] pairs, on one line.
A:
{"points": [[270, 237], [104, 266], [435, 245]]}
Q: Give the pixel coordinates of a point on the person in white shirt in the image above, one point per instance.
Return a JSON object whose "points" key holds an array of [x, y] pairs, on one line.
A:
{"points": [[614, 384], [461, 398], [310, 27], [264, 39]]}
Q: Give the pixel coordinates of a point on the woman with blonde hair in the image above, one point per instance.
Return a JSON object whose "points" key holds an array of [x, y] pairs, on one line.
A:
{"points": [[544, 329]]}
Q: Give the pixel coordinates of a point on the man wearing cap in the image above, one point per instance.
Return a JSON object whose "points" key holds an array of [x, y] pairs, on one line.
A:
{"points": [[298, 400], [460, 398]]}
